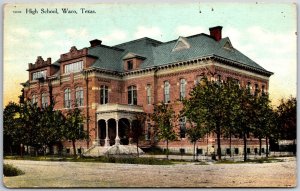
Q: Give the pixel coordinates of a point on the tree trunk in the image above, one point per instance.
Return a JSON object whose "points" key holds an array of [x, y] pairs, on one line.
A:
{"points": [[194, 151], [74, 148], [137, 147], [11, 152], [267, 150], [230, 144], [207, 145], [219, 142], [259, 152], [21, 151], [167, 149], [245, 147]]}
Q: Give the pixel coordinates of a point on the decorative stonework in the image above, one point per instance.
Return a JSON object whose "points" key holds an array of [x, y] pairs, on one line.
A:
{"points": [[39, 63], [74, 53]]}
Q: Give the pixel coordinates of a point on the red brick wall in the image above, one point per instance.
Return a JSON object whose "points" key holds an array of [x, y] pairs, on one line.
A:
{"points": [[118, 89]]}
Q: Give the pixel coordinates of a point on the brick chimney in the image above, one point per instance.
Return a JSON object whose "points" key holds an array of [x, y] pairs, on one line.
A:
{"points": [[95, 42], [216, 32]]}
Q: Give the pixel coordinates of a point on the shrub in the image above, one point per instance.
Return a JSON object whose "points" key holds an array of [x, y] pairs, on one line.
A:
{"points": [[10, 170]]}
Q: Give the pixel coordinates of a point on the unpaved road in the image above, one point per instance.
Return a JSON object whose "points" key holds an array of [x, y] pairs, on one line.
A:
{"points": [[80, 174]]}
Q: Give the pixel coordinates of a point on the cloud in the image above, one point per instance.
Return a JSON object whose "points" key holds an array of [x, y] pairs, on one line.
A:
{"points": [[23, 32], [46, 34], [115, 36], [11, 40], [151, 32], [77, 33], [187, 30]]}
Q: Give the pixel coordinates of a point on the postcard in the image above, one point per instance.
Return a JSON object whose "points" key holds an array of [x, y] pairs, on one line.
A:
{"points": [[152, 95]]}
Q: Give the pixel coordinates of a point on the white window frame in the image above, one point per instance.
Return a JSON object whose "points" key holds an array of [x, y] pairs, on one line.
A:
{"points": [[79, 96], [167, 92], [39, 74], [182, 89], [44, 100], [73, 67], [67, 98], [104, 94], [148, 91]]}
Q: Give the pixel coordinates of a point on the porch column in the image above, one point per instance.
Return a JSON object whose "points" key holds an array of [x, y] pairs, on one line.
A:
{"points": [[130, 132], [97, 135], [106, 144], [117, 140]]}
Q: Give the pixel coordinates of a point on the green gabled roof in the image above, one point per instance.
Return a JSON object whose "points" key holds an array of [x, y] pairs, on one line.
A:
{"points": [[157, 53], [108, 58], [143, 47]]}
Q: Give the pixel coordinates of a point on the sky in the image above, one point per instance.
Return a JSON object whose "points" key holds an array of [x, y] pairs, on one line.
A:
{"points": [[264, 32]]}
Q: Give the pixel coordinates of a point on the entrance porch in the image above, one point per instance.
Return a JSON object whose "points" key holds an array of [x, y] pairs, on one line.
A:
{"points": [[115, 124]]}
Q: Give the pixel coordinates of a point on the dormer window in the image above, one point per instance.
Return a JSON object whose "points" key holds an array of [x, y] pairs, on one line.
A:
{"points": [[181, 44], [74, 67], [129, 65], [39, 74]]}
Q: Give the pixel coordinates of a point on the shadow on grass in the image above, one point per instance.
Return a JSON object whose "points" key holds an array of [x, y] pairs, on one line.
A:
{"points": [[261, 160], [103, 159]]}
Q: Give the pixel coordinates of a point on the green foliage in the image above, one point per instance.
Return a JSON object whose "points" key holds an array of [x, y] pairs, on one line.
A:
{"points": [[73, 127], [286, 115], [10, 170], [164, 118], [227, 109]]}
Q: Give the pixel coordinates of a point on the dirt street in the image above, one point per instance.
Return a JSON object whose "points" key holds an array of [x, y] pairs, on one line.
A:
{"points": [[79, 174]]}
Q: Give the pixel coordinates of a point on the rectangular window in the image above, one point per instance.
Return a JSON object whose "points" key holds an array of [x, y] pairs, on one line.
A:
{"points": [[148, 89], [262, 150], [39, 74], [228, 151], [79, 97], [182, 127], [255, 150], [256, 89], [236, 151], [74, 67], [182, 151], [67, 98], [104, 94], [182, 89], [34, 99], [199, 151], [44, 100], [129, 65], [263, 90], [248, 86], [132, 95], [167, 92], [248, 150]]}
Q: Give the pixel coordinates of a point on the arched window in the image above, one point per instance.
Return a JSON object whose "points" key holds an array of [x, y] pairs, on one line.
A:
{"points": [[256, 90], [248, 87], [132, 95], [263, 91], [182, 89], [104, 94], [44, 100], [67, 98], [167, 92], [79, 96]]}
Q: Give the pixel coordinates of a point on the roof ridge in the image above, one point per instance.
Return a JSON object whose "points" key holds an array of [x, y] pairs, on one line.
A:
{"points": [[105, 46], [140, 39]]}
